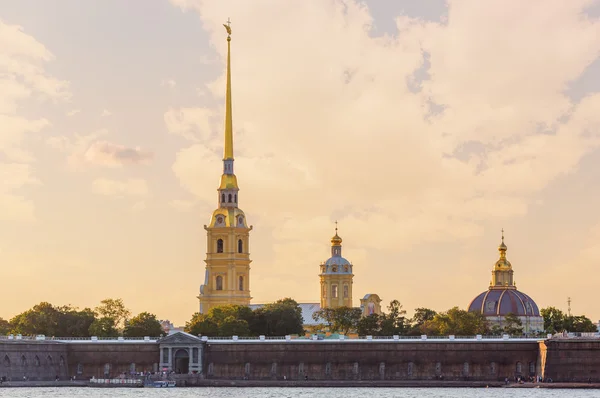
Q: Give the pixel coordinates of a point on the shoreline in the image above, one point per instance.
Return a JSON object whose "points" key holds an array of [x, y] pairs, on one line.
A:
{"points": [[313, 384]]}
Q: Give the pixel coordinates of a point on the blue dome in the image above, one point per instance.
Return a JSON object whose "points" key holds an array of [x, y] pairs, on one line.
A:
{"points": [[499, 302], [337, 261]]}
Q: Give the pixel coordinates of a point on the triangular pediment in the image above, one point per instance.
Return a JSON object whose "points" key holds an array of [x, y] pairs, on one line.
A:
{"points": [[180, 338]]}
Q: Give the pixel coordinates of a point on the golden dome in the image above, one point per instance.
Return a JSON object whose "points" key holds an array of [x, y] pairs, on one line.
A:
{"points": [[336, 240]]}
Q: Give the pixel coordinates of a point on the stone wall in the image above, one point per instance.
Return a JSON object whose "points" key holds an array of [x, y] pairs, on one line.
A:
{"points": [[572, 360], [110, 359], [34, 360], [390, 360]]}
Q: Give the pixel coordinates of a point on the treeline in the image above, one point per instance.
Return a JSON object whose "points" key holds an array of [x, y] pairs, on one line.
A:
{"points": [[109, 319], [555, 321], [284, 317], [425, 321], [432, 323], [281, 318]]}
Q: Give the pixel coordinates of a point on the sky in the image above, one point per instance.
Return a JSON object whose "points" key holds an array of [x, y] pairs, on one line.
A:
{"points": [[423, 128]]}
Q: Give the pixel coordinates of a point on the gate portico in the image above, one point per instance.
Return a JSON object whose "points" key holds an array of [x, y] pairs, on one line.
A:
{"points": [[181, 352]]}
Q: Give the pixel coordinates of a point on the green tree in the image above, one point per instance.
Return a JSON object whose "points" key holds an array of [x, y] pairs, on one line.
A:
{"points": [[5, 327], [369, 325], [200, 325], [554, 319], [512, 325], [325, 315], [114, 309], [103, 327], [281, 318], [231, 326], [144, 324], [224, 321], [43, 318], [417, 322], [394, 322], [461, 323], [346, 319], [73, 322], [579, 323]]}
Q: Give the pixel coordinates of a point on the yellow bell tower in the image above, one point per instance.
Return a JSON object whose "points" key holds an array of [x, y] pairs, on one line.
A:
{"points": [[227, 275], [336, 277]]}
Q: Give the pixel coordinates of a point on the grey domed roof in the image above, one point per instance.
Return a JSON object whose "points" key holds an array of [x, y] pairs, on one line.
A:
{"points": [[503, 301], [337, 261]]}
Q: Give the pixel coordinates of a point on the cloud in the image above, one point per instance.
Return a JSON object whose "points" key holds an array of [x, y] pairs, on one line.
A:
{"points": [[109, 154], [85, 150], [168, 83], [193, 124], [106, 112], [425, 136], [139, 206], [130, 187], [22, 77], [182, 205], [73, 112]]}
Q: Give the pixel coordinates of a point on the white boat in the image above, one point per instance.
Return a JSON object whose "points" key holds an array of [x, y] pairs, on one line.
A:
{"points": [[162, 384]]}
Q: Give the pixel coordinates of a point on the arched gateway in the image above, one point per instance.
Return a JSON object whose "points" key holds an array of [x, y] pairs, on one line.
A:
{"points": [[181, 352]]}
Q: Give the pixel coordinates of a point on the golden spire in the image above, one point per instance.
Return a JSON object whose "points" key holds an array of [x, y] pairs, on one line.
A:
{"points": [[228, 150], [502, 248], [336, 240]]}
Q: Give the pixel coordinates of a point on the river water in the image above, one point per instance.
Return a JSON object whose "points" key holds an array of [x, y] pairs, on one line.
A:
{"points": [[214, 392]]}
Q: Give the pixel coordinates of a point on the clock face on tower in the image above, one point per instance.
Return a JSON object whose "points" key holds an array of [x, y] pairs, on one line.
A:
{"points": [[219, 220], [334, 269]]}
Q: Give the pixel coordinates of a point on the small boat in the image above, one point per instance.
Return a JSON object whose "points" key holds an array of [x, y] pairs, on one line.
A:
{"points": [[162, 384]]}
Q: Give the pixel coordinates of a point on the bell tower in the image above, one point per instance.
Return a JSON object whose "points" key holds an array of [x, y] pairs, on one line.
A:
{"points": [[227, 274], [336, 277]]}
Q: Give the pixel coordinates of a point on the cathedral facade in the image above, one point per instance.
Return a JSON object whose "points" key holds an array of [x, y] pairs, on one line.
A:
{"points": [[227, 274]]}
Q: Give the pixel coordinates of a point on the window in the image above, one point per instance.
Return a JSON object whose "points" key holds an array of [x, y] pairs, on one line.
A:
{"points": [[223, 198], [49, 359], [6, 361], [240, 246], [334, 291], [79, 368], [241, 283], [229, 198], [219, 282], [132, 368], [466, 369], [36, 361], [345, 291], [23, 360], [165, 357], [220, 246], [235, 198], [519, 367], [532, 367], [106, 369]]}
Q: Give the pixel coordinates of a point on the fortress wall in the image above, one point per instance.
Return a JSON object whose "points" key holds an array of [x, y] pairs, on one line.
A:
{"points": [[101, 359], [36, 360], [417, 360], [572, 360]]}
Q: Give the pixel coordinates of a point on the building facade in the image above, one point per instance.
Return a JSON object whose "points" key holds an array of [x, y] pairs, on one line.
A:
{"points": [[227, 274], [336, 278], [503, 298]]}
